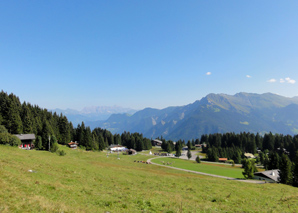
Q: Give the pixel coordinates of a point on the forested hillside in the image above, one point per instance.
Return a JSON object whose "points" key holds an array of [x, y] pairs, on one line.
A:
{"points": [[24, 118]]}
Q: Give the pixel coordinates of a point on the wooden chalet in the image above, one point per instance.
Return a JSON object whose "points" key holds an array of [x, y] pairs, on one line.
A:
{"points": [[156, 142], [73, 145], [27, 140], [131, 152], [269, 176]]}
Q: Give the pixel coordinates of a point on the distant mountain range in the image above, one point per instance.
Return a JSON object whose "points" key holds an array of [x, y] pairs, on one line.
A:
{"points": [[91, 114], [215, 113]]}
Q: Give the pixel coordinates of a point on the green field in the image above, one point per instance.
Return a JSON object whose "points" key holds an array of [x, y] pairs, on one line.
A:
{"points": [[215, 169], [92, 182]]}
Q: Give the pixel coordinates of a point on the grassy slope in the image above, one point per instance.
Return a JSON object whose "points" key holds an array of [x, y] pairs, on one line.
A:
{"points": [[91, 182], [216, 169]]}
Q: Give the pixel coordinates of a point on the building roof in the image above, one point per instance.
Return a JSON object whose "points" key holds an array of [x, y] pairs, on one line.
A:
{"points": [[72, 143], [222, 159], [115, 145], [249, 155], [26, 136], [158, 141], [271, 174]]}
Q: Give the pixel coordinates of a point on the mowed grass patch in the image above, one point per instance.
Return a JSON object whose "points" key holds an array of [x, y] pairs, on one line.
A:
{"points": [[91, 182], [215, 169]]}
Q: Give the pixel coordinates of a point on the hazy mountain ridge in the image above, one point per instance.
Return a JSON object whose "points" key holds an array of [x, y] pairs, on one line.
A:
{"points": [[221, 113], [93, 113]]}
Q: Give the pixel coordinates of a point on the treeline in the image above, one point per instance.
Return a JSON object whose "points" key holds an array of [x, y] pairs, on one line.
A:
{"points": [[224, 145], [24, 118]]}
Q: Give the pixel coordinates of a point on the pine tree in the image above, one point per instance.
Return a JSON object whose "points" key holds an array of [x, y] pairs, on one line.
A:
{"points": [[27, 119], [46, 132], [38, 143], [285, 172], [101, 143], [189, 154], [295, 170], [88, 139], [169, 148], [178, 148], [274, 161], [139, 144]]}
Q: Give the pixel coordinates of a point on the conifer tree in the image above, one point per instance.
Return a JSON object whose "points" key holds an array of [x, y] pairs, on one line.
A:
{"points": [[101, 143], [27, 119], [295, 170], [178, 148], [285, 171], [38, 143], [189, 154]]}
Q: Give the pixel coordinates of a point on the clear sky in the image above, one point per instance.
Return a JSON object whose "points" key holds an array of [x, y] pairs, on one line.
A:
{"points": [[137, 54]]}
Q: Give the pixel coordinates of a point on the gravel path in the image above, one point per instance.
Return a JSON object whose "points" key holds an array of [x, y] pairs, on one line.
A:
{"points": [[202, 173]]}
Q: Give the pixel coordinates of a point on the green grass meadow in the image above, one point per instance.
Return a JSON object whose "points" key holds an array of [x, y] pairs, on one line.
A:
{"points": [[92, 182], [216, 169]]}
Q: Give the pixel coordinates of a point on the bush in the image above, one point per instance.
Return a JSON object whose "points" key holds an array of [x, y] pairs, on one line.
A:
{"points": [[3, 129], [8, 139], [61, 153], [54, 147], [14, 141], [198, 160]]}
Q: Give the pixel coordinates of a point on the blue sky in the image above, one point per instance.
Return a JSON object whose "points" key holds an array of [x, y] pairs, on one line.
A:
{"points": [[137, 54]]}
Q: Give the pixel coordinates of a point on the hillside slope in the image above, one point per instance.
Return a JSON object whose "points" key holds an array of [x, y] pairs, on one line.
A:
{"points": [[90, 182]]}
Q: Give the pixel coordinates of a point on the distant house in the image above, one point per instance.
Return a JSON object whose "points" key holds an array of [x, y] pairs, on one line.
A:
{"points": [[73, 145], [185, 148], [27, 140], [116, 147], [131, 152], [222, 159], [204, 145], [156, 142], [249, 155], [198, 145], [270, 176]]}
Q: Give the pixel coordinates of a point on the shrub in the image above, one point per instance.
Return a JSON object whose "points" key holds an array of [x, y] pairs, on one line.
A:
{"points": [[3, 129], [61, 152], [198, 159], [8, 139], [14, 141], [54, 147]]}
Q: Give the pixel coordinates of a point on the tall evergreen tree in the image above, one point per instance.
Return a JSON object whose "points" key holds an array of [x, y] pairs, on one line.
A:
{"points": [[189, 154], [285, 171], [295, 170], [27, 119]]}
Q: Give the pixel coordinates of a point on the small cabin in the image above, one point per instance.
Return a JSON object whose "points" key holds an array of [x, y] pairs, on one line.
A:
{"points": [[156, 142], [131, 152], [116, 148], [26, 141], [73, 145]]}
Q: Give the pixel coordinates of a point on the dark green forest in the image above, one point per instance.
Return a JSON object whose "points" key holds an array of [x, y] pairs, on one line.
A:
{"points": [[24, 118]]}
